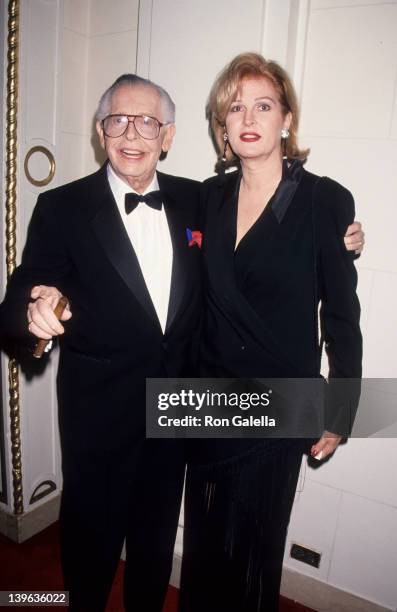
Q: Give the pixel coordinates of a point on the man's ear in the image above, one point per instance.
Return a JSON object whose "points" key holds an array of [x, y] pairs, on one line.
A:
{"points": [[101, 135], [168, 137]]}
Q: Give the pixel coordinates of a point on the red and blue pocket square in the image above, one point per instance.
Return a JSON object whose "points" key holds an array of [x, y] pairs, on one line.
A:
{"points": [[194, 237]]}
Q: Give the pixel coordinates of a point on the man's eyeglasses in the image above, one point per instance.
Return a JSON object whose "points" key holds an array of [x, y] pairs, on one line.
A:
{"points": [[117, 125]]}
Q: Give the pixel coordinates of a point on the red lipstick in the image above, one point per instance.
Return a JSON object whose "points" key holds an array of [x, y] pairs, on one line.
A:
{"points": [[249, 136]]}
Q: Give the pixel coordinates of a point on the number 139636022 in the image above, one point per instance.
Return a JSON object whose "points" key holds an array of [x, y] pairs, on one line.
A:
{"points": [[34, 598]]}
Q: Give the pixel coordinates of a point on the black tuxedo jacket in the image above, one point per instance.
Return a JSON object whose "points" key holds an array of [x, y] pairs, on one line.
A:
{"points": [[77, 242], [305, 263]]}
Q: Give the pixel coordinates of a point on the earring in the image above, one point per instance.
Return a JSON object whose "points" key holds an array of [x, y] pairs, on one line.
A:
{"points": [[284, 138], [226, 141]]}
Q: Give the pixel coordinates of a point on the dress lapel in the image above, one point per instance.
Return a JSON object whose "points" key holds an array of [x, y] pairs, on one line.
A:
{"points": [[285, 192], [229, 188], [220, 231]]}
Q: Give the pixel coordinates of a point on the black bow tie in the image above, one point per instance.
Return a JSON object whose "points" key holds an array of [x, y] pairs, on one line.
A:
{"points": [[152, 199]]}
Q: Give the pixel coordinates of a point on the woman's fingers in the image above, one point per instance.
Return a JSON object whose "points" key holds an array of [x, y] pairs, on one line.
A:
{"points": [[325, 446]]}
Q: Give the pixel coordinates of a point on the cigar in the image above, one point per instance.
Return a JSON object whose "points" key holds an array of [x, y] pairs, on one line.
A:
{"points": [[41, 344]]}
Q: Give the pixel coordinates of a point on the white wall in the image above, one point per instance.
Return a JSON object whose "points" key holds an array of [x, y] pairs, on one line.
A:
{"points": [[348, 508], [99, 44], [112, 46], [189, 43], [74, 88]]}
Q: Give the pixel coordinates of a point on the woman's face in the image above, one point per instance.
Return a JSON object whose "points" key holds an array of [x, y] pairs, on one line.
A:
{"points": [[255, 120]]}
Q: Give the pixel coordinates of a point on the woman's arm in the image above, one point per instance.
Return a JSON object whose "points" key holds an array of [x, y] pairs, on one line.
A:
{"points": [[339, 312]]}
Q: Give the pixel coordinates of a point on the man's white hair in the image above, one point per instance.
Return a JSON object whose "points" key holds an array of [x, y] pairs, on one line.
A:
{"points": [[105, 102]]}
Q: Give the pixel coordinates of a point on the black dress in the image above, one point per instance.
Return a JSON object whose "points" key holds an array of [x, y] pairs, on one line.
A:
{"points": [[261, 321]]}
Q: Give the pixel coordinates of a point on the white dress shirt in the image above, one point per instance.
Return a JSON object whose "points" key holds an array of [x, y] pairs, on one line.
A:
{"points": [[149, 234]]}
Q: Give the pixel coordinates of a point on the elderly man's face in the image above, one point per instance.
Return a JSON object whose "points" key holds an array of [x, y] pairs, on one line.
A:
{"points": [[133, 158]]}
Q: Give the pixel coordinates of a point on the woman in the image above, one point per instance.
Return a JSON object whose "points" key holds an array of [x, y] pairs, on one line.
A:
{"points": [[273, 249]]}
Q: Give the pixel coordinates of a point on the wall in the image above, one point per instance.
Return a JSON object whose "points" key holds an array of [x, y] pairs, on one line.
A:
{"points": [[112, 46], [99, 44], [189, 43], [348, 508], [74, 87]]}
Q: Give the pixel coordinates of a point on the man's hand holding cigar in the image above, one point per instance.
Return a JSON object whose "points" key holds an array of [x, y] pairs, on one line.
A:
{"points": [[42, 320]]}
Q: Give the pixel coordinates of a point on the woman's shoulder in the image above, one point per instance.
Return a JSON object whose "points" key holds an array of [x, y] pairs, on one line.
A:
{"points": [[331, 199]]}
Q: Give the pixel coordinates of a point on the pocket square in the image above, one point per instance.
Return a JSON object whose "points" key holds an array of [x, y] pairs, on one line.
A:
{"points": [[194, 237]]}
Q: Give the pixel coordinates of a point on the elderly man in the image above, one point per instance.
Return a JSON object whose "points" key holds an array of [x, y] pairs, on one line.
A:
{"points": [[115, 243]]}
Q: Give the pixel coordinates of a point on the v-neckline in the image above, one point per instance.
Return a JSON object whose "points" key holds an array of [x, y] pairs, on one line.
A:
{"points": [[264, 212], [278, 203]]}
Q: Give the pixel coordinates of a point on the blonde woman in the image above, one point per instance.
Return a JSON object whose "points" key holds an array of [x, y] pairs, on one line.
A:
{"points": [[273, 250]]}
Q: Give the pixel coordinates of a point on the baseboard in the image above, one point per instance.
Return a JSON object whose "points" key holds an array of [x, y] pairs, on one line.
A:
{"points": [[323, 597], [307, 591], [21, 527]]}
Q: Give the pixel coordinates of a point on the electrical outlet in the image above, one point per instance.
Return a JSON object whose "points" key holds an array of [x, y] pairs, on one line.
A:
{"points": [[306, 555]]}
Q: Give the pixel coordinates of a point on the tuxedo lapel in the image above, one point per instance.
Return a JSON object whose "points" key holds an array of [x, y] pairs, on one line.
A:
{"points": [[178, 221], [112, 235]]}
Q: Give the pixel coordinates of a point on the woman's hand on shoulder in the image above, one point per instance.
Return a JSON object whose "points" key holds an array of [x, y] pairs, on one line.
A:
{"points": [[325, 446]]}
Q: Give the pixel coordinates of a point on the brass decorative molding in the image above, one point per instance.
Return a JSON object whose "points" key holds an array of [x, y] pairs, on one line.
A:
{"points": [[51, 160], [11, 255]]}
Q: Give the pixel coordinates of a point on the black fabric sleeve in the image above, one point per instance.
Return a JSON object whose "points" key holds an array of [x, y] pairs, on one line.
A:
{"points": [[44, 262], [340, 308]]}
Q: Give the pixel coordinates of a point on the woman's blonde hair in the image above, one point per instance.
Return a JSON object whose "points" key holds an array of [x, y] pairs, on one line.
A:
{"points": [[224, 92]]}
